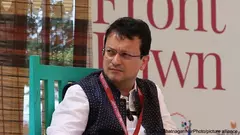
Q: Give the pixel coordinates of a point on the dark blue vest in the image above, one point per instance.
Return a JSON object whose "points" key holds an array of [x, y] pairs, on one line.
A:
{"points": [[102, 120]]}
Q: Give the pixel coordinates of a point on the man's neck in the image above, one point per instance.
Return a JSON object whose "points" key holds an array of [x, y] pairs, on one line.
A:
{"points": [[125, 87]]}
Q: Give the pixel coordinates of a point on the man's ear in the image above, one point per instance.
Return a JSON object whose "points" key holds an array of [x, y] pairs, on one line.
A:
{"points": [[103, 52], [145, 60]]}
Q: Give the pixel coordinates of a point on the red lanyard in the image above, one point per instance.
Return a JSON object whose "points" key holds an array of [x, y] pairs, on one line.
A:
{"points": [[115, 108]]}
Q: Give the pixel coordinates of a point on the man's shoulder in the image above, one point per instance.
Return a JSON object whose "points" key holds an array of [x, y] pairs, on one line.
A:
{"points": [[92, 76], [142, 80], [148, 85], [85, 82]]}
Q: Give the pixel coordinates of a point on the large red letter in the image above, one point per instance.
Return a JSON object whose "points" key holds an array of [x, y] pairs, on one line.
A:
{"points": [[130, 8], [150, 14], [182, 16], [100, 47], [201, 60], [173, 60], [100, 11], [145, 73], [214, 18], [200, 16]]}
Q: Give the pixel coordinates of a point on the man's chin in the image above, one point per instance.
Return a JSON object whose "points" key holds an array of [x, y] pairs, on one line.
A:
{"points": [[114, 78]]}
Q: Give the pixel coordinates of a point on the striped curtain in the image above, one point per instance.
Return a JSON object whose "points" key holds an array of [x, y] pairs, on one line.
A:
{"points": [[59, 31]]}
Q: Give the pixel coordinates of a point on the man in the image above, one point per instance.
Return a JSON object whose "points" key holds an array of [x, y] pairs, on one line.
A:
{"points": [[113, 101]]}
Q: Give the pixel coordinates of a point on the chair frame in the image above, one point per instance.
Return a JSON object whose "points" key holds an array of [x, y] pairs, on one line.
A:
{"points": [[49, 74]]}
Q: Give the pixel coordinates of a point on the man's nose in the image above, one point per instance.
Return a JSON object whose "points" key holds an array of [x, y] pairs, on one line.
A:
{"points": [[116, 59]]}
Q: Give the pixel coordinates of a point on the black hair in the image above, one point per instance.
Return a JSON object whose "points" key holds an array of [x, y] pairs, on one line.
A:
{"points": [[127, 27]]}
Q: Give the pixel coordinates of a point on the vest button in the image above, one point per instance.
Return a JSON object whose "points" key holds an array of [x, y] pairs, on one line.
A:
{"points": [[121, 102]]}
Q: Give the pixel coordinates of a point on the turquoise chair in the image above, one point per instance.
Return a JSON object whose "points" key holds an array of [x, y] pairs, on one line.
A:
{"points": [[49, 74]]}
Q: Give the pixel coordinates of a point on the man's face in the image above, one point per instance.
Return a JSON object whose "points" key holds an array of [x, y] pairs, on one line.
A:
{"points": [[121, 60]]}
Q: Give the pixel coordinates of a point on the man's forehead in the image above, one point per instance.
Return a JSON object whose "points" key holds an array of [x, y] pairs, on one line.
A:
{"points": [[121, 37]]}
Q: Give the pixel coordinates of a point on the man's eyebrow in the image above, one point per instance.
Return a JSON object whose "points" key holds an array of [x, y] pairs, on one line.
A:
{"points": [[107, 46], [122, 51]]}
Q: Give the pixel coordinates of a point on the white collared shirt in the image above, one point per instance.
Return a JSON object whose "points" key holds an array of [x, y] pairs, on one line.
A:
{"points": [[71, 115]]}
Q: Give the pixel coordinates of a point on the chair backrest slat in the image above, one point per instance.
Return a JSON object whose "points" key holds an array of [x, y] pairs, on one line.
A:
{"points": [[49, 101], [49, 74]]}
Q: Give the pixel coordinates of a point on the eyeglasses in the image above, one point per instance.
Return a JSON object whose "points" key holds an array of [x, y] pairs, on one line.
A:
{"points": [[112, 52]]}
